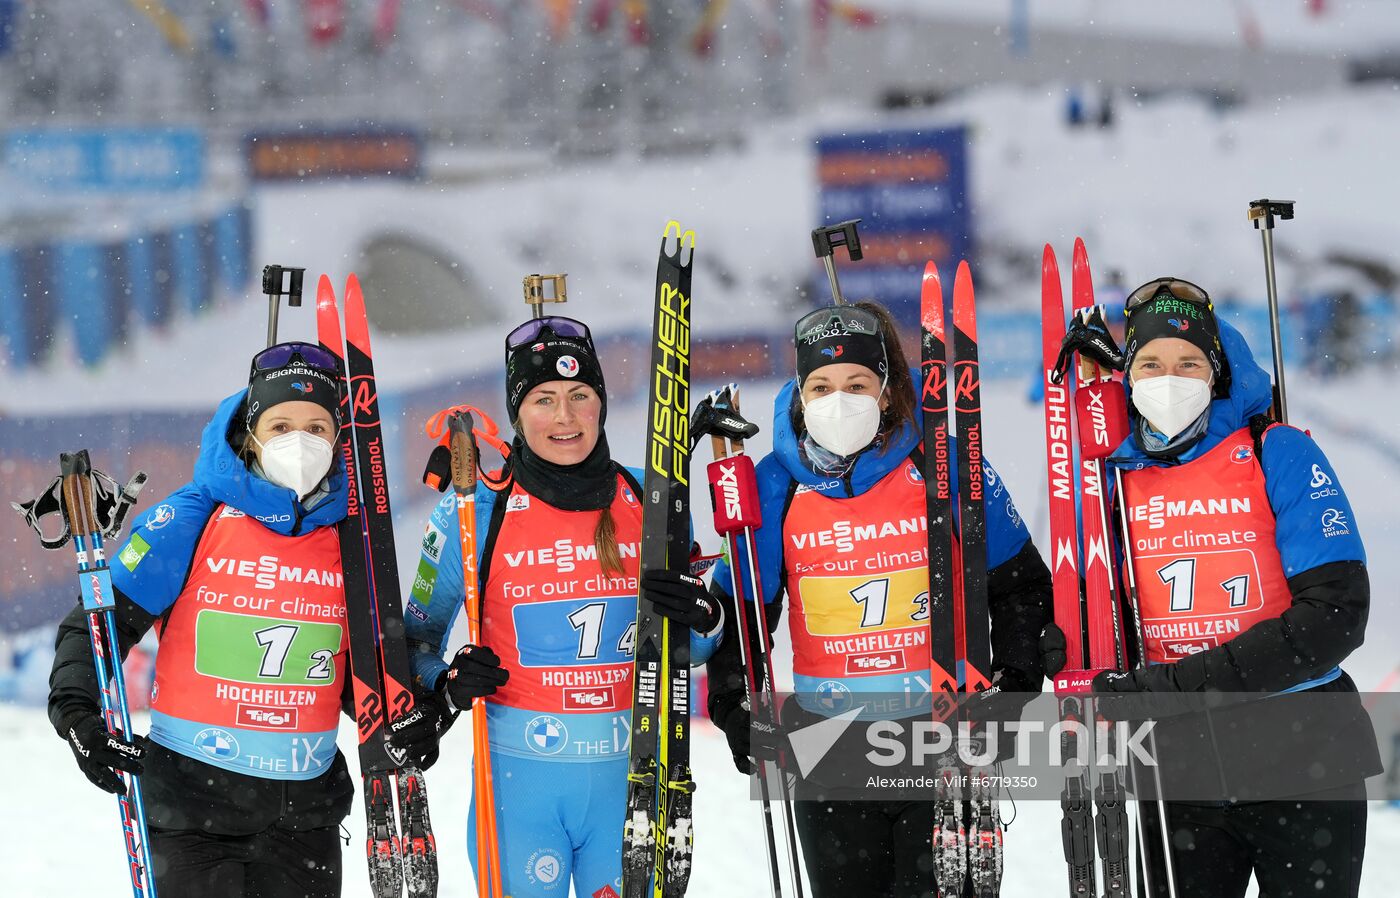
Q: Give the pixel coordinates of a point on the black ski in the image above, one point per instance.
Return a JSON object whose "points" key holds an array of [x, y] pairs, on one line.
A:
{"points": [[657, 838], [378, 653], [949, 830], [984, 835]]}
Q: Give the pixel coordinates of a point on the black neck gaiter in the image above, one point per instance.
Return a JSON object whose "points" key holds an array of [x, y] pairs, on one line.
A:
{"points": [[590, 485]]}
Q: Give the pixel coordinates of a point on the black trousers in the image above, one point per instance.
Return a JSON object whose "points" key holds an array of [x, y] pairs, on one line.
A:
{"points": [[274, 863], [874, 849], [1293, 848]]}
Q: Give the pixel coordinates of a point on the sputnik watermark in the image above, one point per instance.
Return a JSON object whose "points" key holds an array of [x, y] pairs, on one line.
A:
{"points": [[978, 745]]}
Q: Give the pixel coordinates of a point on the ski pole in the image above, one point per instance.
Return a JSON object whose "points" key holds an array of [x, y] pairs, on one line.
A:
{"points": [[1134, 605], [536, 295], [1262, 213], [80, 512], [734, 498], [279, 281], [464, 462], [826, 239]]}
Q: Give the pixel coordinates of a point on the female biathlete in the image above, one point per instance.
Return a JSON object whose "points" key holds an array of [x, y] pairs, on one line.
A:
{"points": [[1252, 579], [558, 573], [846, 461], [240, 572]]}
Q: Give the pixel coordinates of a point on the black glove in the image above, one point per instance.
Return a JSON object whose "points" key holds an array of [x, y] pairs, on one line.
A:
{"points": [[419, 740], [736, 726], [98, 751], [1052, 649], [1088, 335], [1149, 693], [475, 673], [682, 598]]}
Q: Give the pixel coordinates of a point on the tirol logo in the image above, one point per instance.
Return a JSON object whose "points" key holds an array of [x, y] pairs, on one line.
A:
{"points": [[874, 662], [546, 735], [834, 352], [267, 717], [302, 386], [1241, 455], [589, 700], [217, 744], [1183, 648], [567, 366], [162, 515]]}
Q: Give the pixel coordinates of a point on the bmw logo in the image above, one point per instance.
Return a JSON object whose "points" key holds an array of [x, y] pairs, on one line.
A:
{"points": [[833, 695], [546, 735], [216, 743]]}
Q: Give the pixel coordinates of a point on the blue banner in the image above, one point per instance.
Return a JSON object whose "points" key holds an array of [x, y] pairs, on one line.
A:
{"points": [[99, 291], [909, 188], [107, 159], [82, 291], [8, 8]]}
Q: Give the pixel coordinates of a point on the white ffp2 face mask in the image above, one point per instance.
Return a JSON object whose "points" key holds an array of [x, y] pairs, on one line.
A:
{"points": [[1171, 403], [843, 423], [297, 460]]}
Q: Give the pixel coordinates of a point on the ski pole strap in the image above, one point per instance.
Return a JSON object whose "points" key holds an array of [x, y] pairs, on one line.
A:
{"points": [[438, 471], [111, 505], [717, 416]]}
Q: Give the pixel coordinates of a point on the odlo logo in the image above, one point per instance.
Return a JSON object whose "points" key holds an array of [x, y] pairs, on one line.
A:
{"points": [[1321, 484]]}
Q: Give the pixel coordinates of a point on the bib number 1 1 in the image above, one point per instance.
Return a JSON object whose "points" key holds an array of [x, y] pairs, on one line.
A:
{"points": [[1180, 578]]}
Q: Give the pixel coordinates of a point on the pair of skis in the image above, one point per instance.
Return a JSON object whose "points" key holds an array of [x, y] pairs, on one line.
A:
{"points": [[400, 847], [1088, 406], [967, 835], [656, 833]]}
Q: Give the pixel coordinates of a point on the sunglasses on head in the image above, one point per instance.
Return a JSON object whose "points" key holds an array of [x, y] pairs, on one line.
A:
{"points": [[1176, 287], [829, 322], [275, 357], [532, 330]]}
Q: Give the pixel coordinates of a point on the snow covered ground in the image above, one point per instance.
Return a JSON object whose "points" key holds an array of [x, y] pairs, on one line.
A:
{"points": [[73, 842]]}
